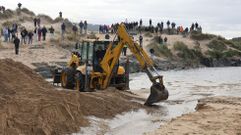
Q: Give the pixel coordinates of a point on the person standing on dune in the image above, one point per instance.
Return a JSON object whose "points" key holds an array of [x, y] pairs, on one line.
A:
{"points": [[81, 24], [38, 22], [35, 22], [30, 37], [16, 42], [85, 26], [24, 34], [62, 30], [51, 31]]}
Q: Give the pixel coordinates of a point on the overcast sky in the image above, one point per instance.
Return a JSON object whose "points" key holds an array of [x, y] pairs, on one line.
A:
{"points": [[220, 17]]}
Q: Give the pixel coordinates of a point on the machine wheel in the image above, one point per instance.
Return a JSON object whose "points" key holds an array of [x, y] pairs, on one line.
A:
{"points": [[67, 78], [80, 82]]}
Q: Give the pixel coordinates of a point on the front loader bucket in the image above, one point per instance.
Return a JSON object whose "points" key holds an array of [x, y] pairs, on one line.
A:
{"points": [[158, 93]]}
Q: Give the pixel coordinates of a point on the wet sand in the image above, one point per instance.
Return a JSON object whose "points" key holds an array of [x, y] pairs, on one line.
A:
{"points": [[215, 115]]}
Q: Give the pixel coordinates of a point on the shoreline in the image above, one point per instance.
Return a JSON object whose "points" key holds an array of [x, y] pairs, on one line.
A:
{"points": [[213, 115]]}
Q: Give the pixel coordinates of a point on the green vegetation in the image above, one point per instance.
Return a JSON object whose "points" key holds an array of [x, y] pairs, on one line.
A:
{"points": [[7, 14], [217, 45], [231, 53], [200, 36], [226, 54], [215, 54], [26, 11], [186, 53], [58, 19], [160, 50], [236, 45], [219, 48], [45, 17]]}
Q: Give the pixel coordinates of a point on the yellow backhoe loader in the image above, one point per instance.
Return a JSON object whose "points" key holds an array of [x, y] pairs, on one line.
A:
{"points": [[95, 65]]}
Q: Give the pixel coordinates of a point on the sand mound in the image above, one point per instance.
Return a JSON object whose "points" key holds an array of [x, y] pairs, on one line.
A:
{"points": [[29, 105]]}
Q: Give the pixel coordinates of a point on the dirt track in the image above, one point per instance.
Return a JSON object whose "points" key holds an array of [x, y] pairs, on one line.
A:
{"points": [[215, 115], [29, 105]]}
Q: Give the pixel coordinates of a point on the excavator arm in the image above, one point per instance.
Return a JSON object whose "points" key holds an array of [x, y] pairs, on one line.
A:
{"points": [[158, 90]]}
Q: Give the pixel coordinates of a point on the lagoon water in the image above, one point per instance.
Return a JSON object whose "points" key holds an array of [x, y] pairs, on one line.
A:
{"points": [[185, 88]]}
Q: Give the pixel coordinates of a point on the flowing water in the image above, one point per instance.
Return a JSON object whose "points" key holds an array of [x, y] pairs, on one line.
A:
{"points": [[185, 88]]}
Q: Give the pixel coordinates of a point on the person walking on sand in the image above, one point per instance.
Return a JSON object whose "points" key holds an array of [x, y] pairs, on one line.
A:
{"points": [[44, 31], [35, 34], [16, 42], [39, 31], [30, 37], [51, 31], [24, 34]]}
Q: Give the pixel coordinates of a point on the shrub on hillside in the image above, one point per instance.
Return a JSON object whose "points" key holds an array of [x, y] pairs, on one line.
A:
{"points": [[236, 45], [160, 50], [186, 53], [26, 11], [68, 23], [217, 45], [58, 19], [200, 36], [180, 46], [45, 17], [7, 14], [231, 43], [215, 54], [231, 53]]}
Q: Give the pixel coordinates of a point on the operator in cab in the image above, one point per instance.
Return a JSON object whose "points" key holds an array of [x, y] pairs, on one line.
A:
{"points": [[100, 53]]}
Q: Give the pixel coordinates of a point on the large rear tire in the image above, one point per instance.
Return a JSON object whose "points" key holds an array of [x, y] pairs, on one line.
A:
{"points": [[67, 78]]}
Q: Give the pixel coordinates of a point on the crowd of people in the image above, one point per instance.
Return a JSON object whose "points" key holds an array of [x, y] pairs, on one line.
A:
{"points": [[171, 27], [26, 35], [39, 33], [16, 32]]}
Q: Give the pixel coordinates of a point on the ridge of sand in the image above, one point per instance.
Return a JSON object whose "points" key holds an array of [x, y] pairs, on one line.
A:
{"points": [[29, 105]]}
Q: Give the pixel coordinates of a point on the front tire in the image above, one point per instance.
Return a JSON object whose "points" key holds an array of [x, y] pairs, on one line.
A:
{"points": [[67, 78]]}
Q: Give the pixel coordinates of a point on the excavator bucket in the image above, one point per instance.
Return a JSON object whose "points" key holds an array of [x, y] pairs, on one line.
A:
{"points": [[158, 93]]}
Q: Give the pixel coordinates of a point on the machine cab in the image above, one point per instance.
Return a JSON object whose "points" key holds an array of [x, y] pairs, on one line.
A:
{"points": [[92, 52]]}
